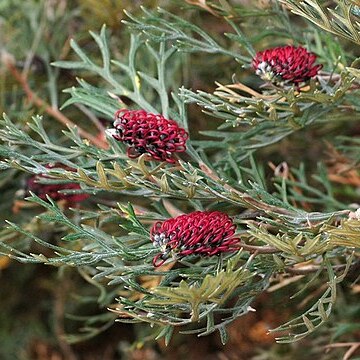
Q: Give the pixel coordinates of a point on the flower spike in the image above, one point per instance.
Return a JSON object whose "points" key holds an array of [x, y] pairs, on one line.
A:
{"points": [[286, 65], [148, 133], [199, 233], [54, 190]]}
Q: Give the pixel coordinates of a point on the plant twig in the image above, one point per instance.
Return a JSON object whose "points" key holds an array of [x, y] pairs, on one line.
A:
{"points": [[254, 203], [259, 249], [353, 347], [55, 113], [92, 118], [310, 269]]}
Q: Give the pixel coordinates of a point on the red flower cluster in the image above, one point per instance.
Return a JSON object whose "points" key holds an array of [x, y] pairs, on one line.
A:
{"points": [[54, 190], [288, 64], [200, 233], [149, 133]]}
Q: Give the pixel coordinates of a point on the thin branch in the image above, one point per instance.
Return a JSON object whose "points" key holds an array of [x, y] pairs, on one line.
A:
{"points": [[353, 347], [55, 113], [92, 117], [259, 249], [310, 269], [257, 204]]}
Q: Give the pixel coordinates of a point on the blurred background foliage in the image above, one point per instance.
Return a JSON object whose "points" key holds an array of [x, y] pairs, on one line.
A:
{"points": [[43, 307]]}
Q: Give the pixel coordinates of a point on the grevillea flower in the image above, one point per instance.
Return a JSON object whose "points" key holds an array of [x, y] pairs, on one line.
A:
{"points": [[200, 233], [286, 65], [55, 190], [147, 133]]}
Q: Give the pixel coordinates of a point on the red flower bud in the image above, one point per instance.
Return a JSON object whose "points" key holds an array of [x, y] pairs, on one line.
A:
{"points": [[53, 190], [286, 65], [149, 133], [199, 233]]}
